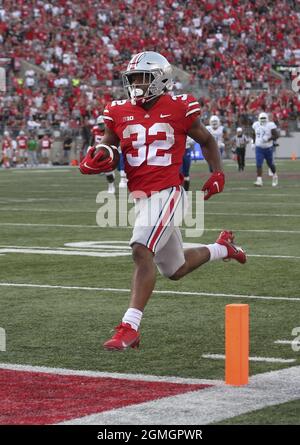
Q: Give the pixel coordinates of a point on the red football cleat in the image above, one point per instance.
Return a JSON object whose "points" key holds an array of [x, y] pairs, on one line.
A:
{"points": [[124, 337], [226, 238]]}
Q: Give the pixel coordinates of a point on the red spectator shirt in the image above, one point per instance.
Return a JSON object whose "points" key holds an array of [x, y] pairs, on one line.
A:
{"points": [[46, 143], [22, 142], [152, 141], [6, 143]]}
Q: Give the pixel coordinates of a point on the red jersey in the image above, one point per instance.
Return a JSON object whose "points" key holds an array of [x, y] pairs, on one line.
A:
{"points": [[97, 134], [46, 142], [153, 141], [6, 143], [22, 142]]}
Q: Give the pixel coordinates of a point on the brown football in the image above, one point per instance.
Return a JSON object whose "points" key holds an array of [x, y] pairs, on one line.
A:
{"points": [[109, 151]]}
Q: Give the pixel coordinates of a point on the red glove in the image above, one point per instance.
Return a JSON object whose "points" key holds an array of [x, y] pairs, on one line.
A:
{"points": [[214, 184], [92, 165]]}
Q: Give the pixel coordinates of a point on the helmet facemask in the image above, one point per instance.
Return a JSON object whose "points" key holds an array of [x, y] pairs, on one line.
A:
{"points": [[153, 85], [155, 77], [263, 118]]}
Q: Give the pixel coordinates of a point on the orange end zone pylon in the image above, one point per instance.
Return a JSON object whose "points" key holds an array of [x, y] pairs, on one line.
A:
{"points": [[236, 344]]}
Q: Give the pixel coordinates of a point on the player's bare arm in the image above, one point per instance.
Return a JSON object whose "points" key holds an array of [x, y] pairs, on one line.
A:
{"points": [[209, 147]]}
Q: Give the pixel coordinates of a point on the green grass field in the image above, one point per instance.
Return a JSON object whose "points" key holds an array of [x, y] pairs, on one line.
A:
{"points": [[66, 327]]}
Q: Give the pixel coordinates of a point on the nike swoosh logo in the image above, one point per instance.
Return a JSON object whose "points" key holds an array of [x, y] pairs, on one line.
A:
{"points": [[87, 166], [217, 185], [165, 115]]}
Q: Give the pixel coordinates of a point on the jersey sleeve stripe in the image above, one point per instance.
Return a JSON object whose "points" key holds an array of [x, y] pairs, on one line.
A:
{"points": [[107, 117], [193, 103], [192, 111]]}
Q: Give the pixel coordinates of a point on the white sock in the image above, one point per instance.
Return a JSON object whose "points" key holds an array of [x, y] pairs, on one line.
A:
{"points": [[217, 251], [133, 317]]}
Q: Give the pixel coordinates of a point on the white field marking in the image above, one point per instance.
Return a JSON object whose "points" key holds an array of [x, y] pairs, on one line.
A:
{"points": [[201, 407], [287, 342], [66, 252], [205, 406], [27, 200], [167, 292], [82, 246], [43, 170], [253, 359], [81, 226], [113, 375], [268, 204], [30, 210], [285, 215], [275, 256], [268, 195], [110, 251]]}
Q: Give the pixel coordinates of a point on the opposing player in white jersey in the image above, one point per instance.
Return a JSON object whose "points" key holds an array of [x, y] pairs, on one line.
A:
{"points": [[218, 132], [264, 134]]}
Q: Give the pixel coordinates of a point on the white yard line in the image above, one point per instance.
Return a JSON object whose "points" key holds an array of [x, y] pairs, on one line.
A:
{"points": [[252, 359], [114, 251], [240, 214], [167, 292], [67, 252], [287, 342], [271, 215], [94, 226]]}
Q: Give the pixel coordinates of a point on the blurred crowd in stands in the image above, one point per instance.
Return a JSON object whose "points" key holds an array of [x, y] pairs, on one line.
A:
{"points": [[64, 57]]}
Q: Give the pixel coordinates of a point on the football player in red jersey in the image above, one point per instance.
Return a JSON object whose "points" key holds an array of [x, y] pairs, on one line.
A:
{"points": [[152, 127], [22, 141]]}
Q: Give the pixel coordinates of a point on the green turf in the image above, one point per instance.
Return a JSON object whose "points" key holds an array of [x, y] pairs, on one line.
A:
{"points": [[283, 414], [65, 328]]}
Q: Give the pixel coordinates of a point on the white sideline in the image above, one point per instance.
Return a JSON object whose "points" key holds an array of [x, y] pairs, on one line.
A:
{"points": [[112, 375], [168, 292], [200, 407], [205, 406], [253, 359]]}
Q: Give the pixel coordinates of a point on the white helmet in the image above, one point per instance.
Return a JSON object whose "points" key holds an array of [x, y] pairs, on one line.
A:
{"points": [[157, 76], [100, 120], [21, 133], [263, 118], [239, 130], [214, 122], [6, 133]]}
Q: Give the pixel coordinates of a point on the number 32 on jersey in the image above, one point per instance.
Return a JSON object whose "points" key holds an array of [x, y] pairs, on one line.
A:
{"points": [[140, 144]]}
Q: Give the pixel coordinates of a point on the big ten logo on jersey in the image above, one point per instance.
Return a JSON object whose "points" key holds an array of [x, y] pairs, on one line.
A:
{"points": [[2, 340], [180, 96], [128, 118]]}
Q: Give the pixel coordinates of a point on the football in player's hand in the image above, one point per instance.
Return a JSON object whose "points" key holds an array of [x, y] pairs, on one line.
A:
{"points": [[109, 153]]}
